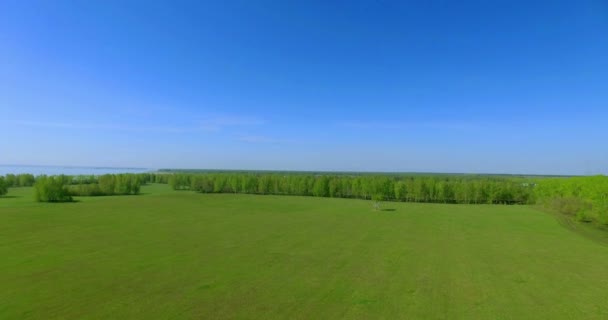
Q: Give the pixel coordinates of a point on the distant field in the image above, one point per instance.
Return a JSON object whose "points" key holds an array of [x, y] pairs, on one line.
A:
{"points": [[182, 255]]}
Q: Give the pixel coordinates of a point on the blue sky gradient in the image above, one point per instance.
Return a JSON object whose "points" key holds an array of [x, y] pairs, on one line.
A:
{"points": [[442, 86]]}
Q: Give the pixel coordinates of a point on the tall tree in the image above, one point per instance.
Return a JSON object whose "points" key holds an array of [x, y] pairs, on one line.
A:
{"points": [[3, 186]]}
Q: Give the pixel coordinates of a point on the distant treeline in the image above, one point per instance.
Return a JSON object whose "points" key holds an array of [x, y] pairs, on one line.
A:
{"points": [[62, 188], [52, 189], [107, 185], [584, 198], [356, 173], [18, 180], [438, 189]]}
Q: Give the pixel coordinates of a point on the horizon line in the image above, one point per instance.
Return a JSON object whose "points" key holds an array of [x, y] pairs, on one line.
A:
{"points": [[161, 169]]}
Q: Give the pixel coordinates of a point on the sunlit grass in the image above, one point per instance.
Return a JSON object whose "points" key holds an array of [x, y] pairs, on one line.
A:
{"points": [[183, 255]]}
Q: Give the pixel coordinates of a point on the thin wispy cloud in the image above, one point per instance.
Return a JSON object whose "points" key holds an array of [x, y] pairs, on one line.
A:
{"points": [[257, 139], [106, 127], [217, 123], [371, 125], [379, 125], [212, 124]]}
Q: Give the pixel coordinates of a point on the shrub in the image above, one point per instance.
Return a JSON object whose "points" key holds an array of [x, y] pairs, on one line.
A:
{"points": [[180, 181], [107, 185], [584, 216], [3, 186], [52, 189], [601, 212], [570, 205], [85, 190]]}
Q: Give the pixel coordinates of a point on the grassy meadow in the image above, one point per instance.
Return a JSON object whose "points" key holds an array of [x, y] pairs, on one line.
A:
{"points": [[169, 254]]}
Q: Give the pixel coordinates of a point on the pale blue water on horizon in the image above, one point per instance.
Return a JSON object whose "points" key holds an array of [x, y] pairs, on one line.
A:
{"points": [[67, 170]]}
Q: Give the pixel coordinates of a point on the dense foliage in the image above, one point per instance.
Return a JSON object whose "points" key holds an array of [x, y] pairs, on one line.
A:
{"points": [[585, 198], [19, 180], [440, 189], [52, 189], [62, 188], [106, 185], [3, 186]]}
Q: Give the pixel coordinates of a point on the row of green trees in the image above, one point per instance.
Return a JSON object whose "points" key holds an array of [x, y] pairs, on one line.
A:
{"points": [[52, 189], [106, 185], [585, 198], [141, 178], [3, 186], [28, 180], [439, 189], [15, 180], [62, 188], [19, 180]]}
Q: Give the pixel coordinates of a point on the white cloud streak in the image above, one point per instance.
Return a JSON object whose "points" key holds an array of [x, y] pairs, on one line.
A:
{"points": [[257, 139], [220, 122], [212, 124], [376, 125]]}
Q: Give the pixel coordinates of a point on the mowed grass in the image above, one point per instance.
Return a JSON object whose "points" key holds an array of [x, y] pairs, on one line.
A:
{"points": [[182, 255]]}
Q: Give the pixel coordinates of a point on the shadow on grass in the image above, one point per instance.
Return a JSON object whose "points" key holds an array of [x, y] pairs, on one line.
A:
{"points": [[71, 201], [388, 209], [10, 197], [112, 195]]}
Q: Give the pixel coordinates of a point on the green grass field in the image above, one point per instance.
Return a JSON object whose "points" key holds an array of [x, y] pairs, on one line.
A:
{"points": [[182, 255]]}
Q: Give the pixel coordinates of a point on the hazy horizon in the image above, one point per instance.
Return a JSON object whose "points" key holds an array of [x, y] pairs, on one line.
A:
{"points": [[55, 169], [370, 86]]}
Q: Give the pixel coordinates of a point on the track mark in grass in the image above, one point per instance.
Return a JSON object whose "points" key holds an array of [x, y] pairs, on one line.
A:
{"points": [[365, 301], [520, 280], [596, 233], [205, 286]]}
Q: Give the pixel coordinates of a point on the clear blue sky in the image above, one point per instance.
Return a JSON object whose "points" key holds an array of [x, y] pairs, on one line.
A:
{"points": [[456, 86]]}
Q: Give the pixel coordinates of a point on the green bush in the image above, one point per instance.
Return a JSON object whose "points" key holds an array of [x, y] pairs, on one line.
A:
{"points": [[569, 205], [20, 180], [86, 190], [584, 216], [3, 186], [585, 198], [107, 185], [52, 189]]}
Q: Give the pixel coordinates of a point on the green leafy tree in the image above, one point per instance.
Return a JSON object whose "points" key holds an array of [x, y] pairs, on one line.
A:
{"points": [[219, 183], [52, 189], [234, 183], [11, 180], [25, 180], [321, 187], [3, 186], [400, 191], [335, 187]]}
